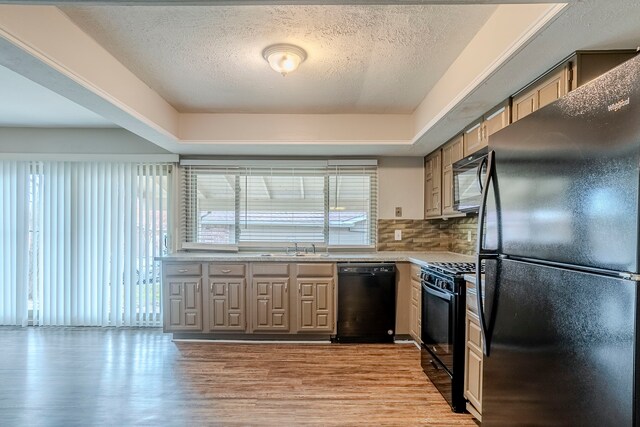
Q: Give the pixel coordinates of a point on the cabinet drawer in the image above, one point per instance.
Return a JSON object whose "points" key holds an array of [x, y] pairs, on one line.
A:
{"points": [[415, 272], [474, 333], [472, 303], [183, 269], [216, 269], [315, 270], [269, 269]]}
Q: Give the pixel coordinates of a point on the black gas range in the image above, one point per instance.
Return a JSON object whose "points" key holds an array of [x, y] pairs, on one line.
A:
{"points": [[443, 328]]}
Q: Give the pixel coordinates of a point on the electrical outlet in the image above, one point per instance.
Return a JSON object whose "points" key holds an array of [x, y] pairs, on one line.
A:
{"points": [[468, 235], [398, 212], [398, 235]]}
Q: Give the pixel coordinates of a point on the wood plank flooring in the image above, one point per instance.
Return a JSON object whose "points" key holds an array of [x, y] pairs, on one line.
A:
{"points": [[91, 376]]}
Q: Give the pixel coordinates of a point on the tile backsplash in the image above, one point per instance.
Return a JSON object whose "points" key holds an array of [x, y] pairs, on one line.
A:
{"points": [[429, 235]]}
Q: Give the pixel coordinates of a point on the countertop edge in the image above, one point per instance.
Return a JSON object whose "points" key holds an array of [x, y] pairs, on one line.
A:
{"points": [[419, 258]]}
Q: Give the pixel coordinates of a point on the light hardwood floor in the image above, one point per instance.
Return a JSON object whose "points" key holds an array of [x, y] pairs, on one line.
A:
{"points": [[88, 376]]}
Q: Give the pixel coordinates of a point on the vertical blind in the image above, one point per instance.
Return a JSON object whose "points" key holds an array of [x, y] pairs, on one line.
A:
{"points": [[95, 228], [258, 204], [15, 236]]}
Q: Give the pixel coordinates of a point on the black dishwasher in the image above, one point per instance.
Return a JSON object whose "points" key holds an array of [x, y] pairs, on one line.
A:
{"points": [[366, 303]]}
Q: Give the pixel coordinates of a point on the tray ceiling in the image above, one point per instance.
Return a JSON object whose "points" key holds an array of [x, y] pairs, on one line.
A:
{"points": [[361, 59]]}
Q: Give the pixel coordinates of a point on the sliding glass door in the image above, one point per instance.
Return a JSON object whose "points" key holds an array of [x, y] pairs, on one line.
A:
{"points": [[93, 230]]}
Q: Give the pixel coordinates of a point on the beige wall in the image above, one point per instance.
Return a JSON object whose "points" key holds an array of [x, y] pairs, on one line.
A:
{"points": [[74, 141], [401, 183]]}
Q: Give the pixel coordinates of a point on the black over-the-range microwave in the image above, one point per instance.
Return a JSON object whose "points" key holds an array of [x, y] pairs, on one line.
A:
{"points": [[468, 178]]}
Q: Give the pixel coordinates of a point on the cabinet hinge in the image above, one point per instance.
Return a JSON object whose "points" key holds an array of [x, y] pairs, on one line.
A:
{"points": [[570, 79]]}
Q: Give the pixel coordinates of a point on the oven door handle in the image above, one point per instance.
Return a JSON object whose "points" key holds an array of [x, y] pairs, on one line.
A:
{"points": [[438, 293]]}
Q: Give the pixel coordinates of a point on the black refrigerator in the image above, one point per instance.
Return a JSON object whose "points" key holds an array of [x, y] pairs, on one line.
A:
{"points": [[559, 236]]}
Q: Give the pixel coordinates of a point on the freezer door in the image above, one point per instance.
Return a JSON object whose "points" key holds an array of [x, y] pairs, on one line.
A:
{"points": [[561, 347], [568, 176]]}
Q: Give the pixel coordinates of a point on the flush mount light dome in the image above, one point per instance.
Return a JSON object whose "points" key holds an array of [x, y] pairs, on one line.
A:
{"points": [[284, 58]]}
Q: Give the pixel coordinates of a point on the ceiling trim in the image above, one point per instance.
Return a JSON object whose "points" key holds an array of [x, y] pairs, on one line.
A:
{"points": [[43, 44], [76, 157], [266, 2], [507, 19]]}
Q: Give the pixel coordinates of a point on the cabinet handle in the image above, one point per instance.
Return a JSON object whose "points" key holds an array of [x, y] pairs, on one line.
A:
{"points": [[182, 270], [198, 287], [286, 286], [211, 287], [225, 271], [299, 288]]}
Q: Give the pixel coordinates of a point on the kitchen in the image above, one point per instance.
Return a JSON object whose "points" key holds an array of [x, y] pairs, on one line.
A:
{"points": [[284, 243]]}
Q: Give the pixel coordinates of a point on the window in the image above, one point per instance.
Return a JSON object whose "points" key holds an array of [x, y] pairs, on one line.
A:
{"points": [[259, 203]]}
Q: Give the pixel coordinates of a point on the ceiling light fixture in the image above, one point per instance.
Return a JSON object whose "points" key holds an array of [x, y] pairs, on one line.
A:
{"points": [[284, 58]]}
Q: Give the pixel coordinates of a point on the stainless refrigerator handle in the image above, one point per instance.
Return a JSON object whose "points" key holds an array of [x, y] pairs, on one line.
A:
{"points": [[479, 174], [481, 251]]}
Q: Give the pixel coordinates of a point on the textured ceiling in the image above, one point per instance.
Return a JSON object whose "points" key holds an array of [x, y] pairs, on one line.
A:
{"points": [[361, 59], [25, 103]]}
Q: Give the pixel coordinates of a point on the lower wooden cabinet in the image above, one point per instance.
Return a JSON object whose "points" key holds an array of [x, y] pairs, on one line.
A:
{"points": [[183, 309], [315, 304], [270, 303], [239, 298], [415, 313], [473, 359], [227, 304]]}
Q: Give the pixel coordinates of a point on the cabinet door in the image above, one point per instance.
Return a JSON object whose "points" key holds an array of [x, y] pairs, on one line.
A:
{"points": [[433, 178], [415, 314], [270, 304], [184, 304], [495, 121], [553, 87], [451, 153], [473, 362], [524, 104], [548, 89], [315, 305], [473, 383], [226, 304], [472, 139]]}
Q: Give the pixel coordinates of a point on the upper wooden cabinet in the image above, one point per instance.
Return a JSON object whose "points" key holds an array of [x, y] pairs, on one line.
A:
{"points": [[451, 153], [544, 91], [580, 68], [432, 185], [476, 136]]}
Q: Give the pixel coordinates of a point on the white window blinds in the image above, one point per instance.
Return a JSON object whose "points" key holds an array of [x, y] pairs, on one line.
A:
{"points": [[211, 196], [259, 204], [282, 205], [352, 205]]}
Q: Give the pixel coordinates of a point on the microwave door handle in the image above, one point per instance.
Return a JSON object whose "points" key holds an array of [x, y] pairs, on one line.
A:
{"points": [[479, 173]]}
